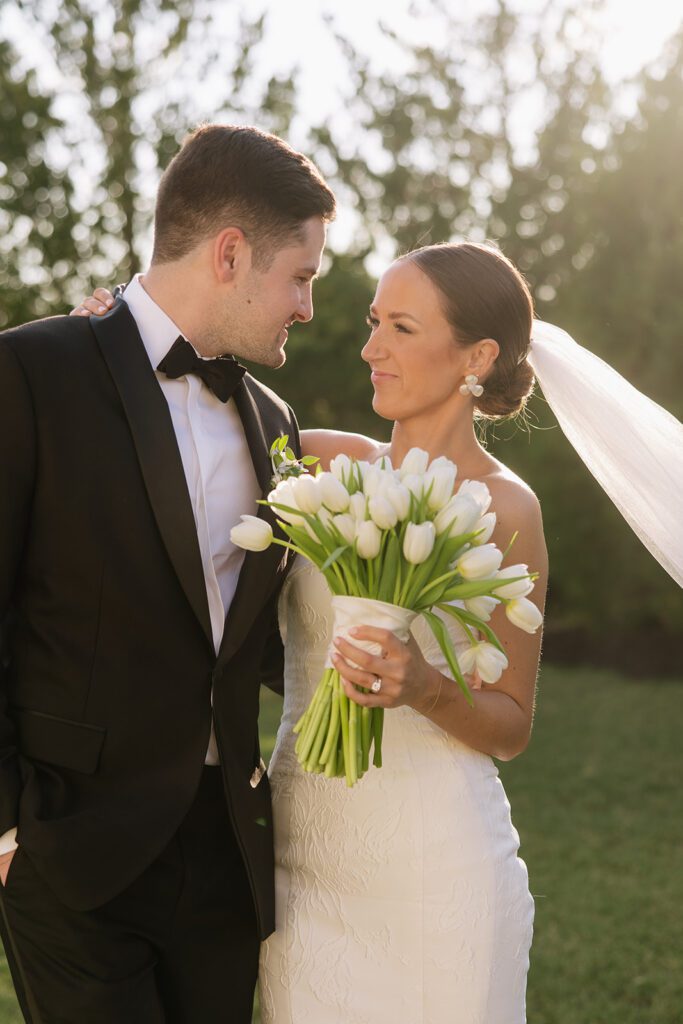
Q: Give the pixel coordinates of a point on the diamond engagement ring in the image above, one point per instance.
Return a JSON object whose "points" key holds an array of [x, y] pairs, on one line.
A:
{"points": [[376, 685]]}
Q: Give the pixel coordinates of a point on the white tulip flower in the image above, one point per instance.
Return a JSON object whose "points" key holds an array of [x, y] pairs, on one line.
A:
{"points": [[368, 539], [284, 495], [441, 478], [415, 483], [479, 563], [399, 496], [324, 517], [418, 542], [373, 481], [361, 467], [346, 525], [523, 613], [252, 534], [489, 662], [340, 467], [487, 525], [358, 506], [483, 607], [307, 493], [415, 463], [458, 516], [479, 492], [334, 494], [383, 513], [512, 590]]}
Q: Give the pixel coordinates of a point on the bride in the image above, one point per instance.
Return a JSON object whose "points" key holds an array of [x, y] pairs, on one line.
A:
{"points": [[403, 900]]}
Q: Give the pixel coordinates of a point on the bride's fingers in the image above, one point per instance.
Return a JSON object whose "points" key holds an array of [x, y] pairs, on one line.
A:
{"points": [[90, 306], [366, 700], [350, 672], [358, 657], [104, 296]]}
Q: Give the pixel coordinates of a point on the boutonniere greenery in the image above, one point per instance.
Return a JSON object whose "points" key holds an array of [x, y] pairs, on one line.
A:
{"points": [[284, 461]]}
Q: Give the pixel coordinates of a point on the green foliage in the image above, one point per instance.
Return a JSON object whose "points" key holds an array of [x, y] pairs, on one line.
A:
{"points": [[36, 199], [76, 199], [423, 152]]}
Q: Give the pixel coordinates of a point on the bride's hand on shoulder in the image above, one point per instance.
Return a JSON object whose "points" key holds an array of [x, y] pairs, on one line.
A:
{"points": [[406, 677], [97, 304]]}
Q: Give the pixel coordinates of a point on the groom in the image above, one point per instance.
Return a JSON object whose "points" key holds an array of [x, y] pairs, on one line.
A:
{"points": [[136, 849]]}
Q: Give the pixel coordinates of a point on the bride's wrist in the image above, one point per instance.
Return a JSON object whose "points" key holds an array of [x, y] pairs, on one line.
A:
{"points": [[431, 694]]}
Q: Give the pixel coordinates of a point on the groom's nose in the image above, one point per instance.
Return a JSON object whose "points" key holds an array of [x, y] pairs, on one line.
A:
{"points": [[304, 311]]}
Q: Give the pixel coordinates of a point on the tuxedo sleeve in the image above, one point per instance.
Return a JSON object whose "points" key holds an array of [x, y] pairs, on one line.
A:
{"points": [[17, 468]]}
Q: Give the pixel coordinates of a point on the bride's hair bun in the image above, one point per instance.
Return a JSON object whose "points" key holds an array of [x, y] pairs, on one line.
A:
{"points": [[485, 296]]}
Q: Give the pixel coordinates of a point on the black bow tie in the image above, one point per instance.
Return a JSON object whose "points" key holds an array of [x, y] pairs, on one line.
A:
{"points": [[221, 375]]}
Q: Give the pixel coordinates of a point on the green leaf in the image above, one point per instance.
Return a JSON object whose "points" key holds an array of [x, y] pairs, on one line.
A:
{"points": [[331, 559], [444, 641], [310, 460], [468, 619]]}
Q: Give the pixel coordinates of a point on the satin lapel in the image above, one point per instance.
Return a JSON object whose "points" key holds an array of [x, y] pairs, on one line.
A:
{"points": [[262, 423], [154, 438]]}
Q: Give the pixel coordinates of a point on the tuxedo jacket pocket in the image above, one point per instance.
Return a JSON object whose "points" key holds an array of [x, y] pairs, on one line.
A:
{"points": [[59, 741]]}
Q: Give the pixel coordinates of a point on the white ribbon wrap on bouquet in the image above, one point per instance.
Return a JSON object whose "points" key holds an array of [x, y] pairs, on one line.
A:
{"points": [[364, 611]]}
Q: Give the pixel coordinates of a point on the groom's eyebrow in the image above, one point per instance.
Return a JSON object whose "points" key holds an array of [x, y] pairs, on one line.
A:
{"points": [[397, 316]]}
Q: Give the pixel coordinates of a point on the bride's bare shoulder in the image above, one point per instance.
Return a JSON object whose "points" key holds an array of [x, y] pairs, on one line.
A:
{"points": [[325, 444], [514, 502]]}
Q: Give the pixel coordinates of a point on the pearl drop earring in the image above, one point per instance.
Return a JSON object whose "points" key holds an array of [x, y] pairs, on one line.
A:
{"points": [[471, 386]]}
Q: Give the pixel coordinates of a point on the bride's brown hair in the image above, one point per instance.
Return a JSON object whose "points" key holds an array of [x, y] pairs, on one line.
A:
{"points": [[485, 296]]}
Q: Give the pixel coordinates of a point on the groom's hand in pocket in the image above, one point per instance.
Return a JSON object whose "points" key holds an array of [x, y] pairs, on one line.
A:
{"points": [[5, 861]]}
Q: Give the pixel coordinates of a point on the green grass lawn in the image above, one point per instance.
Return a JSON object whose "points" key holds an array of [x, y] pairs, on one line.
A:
{"points": [[597, 804]]}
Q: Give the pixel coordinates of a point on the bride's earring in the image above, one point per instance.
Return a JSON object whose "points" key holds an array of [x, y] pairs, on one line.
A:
{"points": [[471, 386]]}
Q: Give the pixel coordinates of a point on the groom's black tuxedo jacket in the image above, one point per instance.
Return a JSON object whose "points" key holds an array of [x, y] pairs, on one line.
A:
{"points": [[108, 663]]}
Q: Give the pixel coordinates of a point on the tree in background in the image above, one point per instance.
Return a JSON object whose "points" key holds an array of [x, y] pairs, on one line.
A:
{"points": [[37, 216], [590, 210], [121, 97]]}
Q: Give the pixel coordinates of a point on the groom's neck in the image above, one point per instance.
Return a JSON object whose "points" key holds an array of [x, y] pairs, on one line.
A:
{"points": [[172, 287]]}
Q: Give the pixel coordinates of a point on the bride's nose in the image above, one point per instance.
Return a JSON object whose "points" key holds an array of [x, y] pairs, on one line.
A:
{"points": [[373, 348]]}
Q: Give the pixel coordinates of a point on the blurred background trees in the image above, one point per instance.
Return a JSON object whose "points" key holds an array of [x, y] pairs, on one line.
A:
{"points": [[591, 209]]}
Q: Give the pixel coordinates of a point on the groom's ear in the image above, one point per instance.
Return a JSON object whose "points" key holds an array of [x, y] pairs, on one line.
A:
{"points": [[231, 254]]}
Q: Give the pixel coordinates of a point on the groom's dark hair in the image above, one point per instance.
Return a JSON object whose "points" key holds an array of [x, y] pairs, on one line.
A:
{"points": [[237, 175]]}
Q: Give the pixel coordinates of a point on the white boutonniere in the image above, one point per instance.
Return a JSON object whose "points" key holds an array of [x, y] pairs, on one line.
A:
{"points": [[284, 461]]}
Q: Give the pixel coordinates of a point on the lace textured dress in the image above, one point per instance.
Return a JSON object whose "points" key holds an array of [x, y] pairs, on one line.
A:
{"points": [[401, 900]]}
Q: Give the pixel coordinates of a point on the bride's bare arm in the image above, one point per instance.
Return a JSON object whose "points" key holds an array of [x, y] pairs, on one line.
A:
{"points": [[499, 723], [325, 444]]}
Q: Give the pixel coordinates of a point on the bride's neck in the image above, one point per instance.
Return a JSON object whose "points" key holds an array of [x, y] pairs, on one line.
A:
{"points": [[452, 436]]}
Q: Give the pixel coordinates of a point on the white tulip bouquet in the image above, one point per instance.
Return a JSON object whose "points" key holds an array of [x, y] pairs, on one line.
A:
{"points": [[393, 544]]}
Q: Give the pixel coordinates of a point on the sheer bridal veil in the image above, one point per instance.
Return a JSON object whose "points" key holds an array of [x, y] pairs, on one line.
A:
{"points": [[632, 446]]}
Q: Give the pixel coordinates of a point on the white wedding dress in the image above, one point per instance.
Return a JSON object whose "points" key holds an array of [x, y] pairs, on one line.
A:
{"points": [[401, 900]]}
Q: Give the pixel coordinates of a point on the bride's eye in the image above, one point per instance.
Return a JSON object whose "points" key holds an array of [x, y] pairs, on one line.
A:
{"points": [[371, 321]]}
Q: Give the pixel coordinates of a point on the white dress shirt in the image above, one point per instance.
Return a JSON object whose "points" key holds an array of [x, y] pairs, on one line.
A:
{"points": [[218, 469]]}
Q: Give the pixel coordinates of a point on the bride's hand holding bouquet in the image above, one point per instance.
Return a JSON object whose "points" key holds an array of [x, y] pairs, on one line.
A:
{"points": [[392, 544]]}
